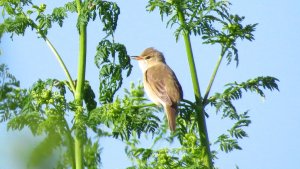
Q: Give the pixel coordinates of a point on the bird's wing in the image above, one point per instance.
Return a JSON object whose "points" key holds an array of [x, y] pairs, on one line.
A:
{"points": [[164, 83]]}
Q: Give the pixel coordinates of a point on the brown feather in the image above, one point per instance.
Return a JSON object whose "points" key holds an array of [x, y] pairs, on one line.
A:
{"points": [[171, 112]]}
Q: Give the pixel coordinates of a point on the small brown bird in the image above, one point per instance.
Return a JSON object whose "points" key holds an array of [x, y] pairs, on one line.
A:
{"points": [[160, 83]]}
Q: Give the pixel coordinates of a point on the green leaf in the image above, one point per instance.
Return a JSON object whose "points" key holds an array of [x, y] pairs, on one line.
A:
{"points": [[43, 153], [224, 102], [89, 97], [109, 13], [227, 144], [16, 25], [11, 96], [92, 153], [112, 60], [254, 85], [58, 15], [237, 129], [71, 6]]}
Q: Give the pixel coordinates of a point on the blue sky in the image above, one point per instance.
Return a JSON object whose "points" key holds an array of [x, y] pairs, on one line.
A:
{"points": [[274, 135]]}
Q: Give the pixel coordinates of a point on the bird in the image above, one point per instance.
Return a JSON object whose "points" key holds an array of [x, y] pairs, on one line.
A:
{"points": [[160, 83]]}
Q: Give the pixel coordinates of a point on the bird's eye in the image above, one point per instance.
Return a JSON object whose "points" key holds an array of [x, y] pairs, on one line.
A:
{"points": [[147, 57]]}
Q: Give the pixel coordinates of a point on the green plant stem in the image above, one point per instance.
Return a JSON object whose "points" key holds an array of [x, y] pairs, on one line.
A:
{"points": [[144, 105], [78, 153], [70, 143], [81, 63], [61, 62], [79, 132], [212, 79], [200, 114], [79, 97]]}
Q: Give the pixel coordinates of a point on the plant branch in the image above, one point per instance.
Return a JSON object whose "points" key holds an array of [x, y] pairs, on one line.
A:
{"points": [[61, 62], [200, 114], [212, 78], [58, 57], [144, 105]]}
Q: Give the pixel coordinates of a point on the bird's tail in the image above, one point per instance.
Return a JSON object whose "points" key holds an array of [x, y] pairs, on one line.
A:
{"points": [[171, 112]]}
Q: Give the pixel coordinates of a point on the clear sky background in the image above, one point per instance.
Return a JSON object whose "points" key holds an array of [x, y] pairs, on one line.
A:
{"points": [[274, 134]]}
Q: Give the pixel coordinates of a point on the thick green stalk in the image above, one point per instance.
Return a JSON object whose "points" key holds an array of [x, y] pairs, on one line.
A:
{"points": [[200, 114], [78, 97], [81, 63], [78, 153], [70, 144], [79, 91]]}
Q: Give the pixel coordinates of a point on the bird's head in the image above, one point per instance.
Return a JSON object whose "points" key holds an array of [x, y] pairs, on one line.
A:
{"points": [[149, 57]]}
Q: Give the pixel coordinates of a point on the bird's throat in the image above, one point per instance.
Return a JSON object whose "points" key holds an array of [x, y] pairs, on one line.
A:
{"points": [[143, 65]]}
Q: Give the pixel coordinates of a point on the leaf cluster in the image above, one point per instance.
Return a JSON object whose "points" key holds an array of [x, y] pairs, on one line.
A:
{"points": [[92, 153], [208, 19], [125, 116], [45, 103], [10, 94], [41, 109], [189, 155], [108, 13], [223, 102], [112, 60], [25, 14], [89, 97], [17, 19]]}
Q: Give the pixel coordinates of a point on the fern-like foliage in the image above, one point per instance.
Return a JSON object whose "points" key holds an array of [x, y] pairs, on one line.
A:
{"points": [[223, 102], [189, 155], [112, 60], [89, 97], [234, 90], [10, 94], [46, 104], [41, 109], [35, 17], [211, 21], [18, 20], [124, 116]]}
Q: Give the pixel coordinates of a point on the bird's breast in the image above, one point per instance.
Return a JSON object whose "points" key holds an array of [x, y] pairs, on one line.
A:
{"points": [[150, 93]]}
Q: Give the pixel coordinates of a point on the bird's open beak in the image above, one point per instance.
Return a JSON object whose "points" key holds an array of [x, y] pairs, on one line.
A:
{"points": [[136, 57]]}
